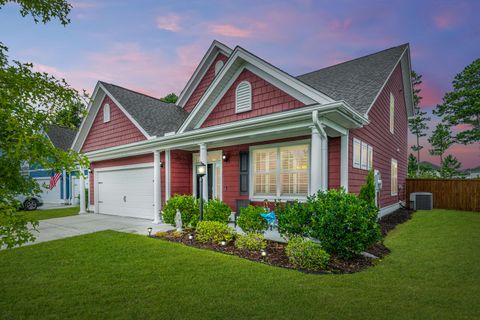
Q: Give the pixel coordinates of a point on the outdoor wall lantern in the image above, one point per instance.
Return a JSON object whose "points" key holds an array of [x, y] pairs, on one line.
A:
{"points": [[225, 157], [201, 172], [161, 164], [149, 231]]}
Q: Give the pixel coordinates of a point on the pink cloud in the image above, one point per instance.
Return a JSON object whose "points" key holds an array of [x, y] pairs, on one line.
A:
{"points": [[170, 22], [229, 30], [431, 95], [445, 20]]}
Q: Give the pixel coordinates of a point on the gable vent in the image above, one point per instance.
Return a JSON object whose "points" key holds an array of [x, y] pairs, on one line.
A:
{"points": [[243, 97]]}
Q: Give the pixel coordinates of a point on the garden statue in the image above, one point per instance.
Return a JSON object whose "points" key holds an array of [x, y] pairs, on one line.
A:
{"points": [[178, 221]]}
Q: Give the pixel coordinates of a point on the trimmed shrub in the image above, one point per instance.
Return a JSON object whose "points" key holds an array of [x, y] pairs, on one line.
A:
{"points": [[367, 192], [188, 206], [217, 210], [250, 220], [251, 241], [294, 219], [214, 231], [306, 254], [344, 224]]}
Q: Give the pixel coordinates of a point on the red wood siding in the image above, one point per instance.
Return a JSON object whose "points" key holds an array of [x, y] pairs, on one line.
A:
{"points": [[334, 163], [181, 172], [203, 84], [386, 146], [118, 131], [266, 99]]}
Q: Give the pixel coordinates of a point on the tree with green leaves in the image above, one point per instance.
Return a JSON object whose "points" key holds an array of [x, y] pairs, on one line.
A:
{"points": [[440, 140], [412, 166], [30, 102], [71, 117], [417, 123], [450, 167], [170, 98], [367, 192], [462, 105]]}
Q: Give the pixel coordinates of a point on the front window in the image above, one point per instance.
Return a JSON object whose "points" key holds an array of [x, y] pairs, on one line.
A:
{"points": [[281, 171], [265, 167]]}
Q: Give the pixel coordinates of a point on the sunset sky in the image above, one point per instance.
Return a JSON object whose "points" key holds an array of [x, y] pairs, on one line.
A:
{"points": [[154, 46]]}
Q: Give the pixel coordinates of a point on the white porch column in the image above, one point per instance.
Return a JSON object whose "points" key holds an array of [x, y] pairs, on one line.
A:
{"points": [[64, 183], [204, 159], [82, 192], [324, 173], [316, 162], [344, 161], [167, 175], [157, 196]]}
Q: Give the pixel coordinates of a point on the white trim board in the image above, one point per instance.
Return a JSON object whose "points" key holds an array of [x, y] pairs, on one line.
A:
{"points": [[388, 209]]}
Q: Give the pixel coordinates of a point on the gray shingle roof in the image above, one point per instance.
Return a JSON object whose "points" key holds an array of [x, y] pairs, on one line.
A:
{"points": [[153, 115], [356, 81], [61, 137]]}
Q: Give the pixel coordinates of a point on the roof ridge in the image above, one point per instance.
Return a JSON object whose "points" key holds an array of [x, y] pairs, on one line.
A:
{"points": [[139, 93], [358, 58]]}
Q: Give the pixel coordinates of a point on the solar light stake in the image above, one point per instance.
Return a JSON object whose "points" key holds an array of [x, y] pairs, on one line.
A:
{"points": [[223, 243], [149, 231], [190, 236], [263, 253]]}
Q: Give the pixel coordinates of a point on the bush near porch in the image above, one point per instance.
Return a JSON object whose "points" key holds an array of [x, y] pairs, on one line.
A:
{"points": [[189, 206]]}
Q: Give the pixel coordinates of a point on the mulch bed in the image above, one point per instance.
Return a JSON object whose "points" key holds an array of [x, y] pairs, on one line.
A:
{"points": [[276, 250]]}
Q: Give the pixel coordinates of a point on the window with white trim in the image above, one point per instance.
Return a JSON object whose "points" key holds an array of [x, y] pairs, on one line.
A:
{"points": [[106, 113], [392, 112], [218, 66], [243, 97], [394, 177], [281, 172], [362, 155], [265, 172]]}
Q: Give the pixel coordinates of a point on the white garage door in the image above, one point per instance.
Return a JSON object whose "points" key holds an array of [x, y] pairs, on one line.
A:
{"points": [[126, 192], [49, 196]]}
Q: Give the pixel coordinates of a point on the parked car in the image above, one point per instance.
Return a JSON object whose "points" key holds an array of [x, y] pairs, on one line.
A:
{"points": [[30, 203]]}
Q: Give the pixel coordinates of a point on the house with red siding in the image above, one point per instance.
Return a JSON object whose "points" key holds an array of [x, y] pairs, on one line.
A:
{"points": [[261, 132]]}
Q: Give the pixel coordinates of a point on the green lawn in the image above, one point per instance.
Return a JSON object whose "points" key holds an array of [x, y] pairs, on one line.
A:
{"points": [[51, 213], [433, 272]]}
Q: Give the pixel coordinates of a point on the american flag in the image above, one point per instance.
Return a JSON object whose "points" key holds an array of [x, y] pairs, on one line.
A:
{"points": [[54, 179]]}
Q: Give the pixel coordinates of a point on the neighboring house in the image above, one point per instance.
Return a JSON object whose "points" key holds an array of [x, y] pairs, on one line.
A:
{"points": [[263, 133], [67, 189]]}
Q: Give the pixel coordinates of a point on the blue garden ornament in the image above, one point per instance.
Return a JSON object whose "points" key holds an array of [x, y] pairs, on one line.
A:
{"points": [[270, 217]]}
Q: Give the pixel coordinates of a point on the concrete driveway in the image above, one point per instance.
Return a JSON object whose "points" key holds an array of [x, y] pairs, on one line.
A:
{"points": [[59, 228]]}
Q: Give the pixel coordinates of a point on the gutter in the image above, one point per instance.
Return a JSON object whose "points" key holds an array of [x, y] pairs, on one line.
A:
{"points": [[167, 141]]}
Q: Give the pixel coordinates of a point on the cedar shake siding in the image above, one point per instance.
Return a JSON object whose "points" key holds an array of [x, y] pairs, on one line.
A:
{"points": [[386, 146], [118, 131], [266, 99], [203, 84]]}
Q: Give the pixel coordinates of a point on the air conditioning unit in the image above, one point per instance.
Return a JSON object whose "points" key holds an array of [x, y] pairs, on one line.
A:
{"points": [[421, 201]]}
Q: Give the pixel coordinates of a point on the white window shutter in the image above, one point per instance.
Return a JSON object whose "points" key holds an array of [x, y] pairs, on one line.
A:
{"points": [[243, 97]]}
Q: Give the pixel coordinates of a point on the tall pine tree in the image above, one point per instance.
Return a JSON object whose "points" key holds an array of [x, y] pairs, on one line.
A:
{"points": [[417, 123]]}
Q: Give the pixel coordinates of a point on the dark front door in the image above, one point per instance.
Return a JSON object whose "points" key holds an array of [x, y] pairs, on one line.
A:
{"points": [[210, 181]]}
